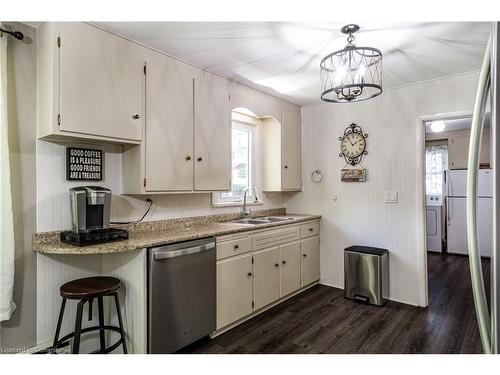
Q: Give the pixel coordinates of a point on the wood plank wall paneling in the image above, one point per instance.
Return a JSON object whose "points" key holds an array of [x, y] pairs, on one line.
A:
{"points": [[53, 211], [360, 215], [131, 269], [53, 271]]}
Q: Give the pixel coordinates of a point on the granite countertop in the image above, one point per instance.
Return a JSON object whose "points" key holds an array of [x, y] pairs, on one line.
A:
{"points": [[157, 233]]}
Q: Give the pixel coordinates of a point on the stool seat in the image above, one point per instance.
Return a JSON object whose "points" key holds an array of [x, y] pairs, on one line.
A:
{"points": [[85, 291], [90, 287]]}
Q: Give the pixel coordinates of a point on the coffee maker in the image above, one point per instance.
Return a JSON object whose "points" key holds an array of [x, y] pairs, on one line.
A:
{"points": [[90, 213], [90, 208]]}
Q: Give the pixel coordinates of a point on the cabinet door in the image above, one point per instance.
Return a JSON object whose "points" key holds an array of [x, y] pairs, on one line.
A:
{"points": [[234, 289], [291, 151], [309, 250], [212, 137], [458, 148], [290, 268], [266, 287], [169, 130], [101, 89]]}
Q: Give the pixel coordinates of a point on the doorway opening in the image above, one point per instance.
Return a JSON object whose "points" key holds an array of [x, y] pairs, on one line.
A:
{"points": [[445, 174]]}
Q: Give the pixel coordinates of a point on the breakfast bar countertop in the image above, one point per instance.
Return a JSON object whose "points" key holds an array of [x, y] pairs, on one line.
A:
{"points": [[157, 233]]}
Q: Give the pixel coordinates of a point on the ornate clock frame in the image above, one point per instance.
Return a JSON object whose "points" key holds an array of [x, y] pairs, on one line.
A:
{"points": [[353, 128]]}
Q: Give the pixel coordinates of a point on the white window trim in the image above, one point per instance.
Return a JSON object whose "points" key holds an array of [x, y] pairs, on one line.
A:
{"points": [[217, 200]]}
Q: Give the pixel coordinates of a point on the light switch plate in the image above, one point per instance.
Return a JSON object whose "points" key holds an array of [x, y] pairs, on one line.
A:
{"points": [[391, 197]]}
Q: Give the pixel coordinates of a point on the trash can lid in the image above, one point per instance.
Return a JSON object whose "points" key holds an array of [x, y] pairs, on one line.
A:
{"points": [[367, 250]]}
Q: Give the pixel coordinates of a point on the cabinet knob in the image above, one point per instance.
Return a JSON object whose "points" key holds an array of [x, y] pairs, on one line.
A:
{"points": [[304, 255], [236, 247], [283, 262], [199, 158], [188, 158], [136, 117], [249, 274], [286, 166], [311, 229], [276, 265]]}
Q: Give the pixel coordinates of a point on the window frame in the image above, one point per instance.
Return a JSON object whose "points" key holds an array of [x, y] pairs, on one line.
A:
{"points": [[217, 198]]}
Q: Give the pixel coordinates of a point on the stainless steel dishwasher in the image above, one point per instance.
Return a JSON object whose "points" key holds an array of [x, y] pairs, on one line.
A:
{"points": [[181, 294]]}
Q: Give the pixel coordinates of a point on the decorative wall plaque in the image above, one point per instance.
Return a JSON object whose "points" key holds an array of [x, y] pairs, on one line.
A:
{"points": [[83, 164], [353, 175]]}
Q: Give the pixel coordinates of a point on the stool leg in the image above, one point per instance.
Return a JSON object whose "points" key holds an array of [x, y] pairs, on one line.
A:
{"points": [[120, 322], [101, 323], [78, 326], [59, 323]]}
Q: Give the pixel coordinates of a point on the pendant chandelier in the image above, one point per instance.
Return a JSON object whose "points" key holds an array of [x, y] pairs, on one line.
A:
{"points": [[352, 74]]}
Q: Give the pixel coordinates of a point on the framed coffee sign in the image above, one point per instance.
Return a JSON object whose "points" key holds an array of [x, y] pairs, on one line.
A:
{"points": [[83, 164]]}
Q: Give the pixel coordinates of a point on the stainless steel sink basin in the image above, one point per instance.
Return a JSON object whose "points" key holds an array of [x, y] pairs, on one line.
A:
{"points": [[260, 220], [278, 218]]}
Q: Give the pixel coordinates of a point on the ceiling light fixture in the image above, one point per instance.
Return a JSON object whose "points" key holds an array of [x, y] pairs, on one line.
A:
{"points": [[352, 74], [437, 126]]}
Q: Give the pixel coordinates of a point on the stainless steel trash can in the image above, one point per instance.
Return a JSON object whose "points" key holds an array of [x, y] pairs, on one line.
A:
{"points": [[366, 274]]}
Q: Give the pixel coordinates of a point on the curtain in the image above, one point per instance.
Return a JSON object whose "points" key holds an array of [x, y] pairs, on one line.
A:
{"points": [[436, 162], [7, 305]]}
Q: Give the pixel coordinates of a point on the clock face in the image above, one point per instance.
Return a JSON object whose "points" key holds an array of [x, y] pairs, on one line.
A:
{"points": [[353, 145]]}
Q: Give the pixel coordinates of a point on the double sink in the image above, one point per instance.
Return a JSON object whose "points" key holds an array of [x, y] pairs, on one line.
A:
{"points": [[260, 220]]}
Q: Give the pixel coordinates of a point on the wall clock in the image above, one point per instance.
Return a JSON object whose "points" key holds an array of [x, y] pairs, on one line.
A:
{"points": [[353, 144]]}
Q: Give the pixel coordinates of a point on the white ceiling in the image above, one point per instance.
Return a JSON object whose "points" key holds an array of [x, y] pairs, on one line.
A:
{"points": [[458, 124], [283, 58]]}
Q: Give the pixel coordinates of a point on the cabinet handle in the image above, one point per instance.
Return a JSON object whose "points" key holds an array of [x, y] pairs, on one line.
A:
{"points": [[188, 158], [304, 255], [199, 159], [136, 117], [283, 262], [249, 274], [236, 247], [276, 265]]}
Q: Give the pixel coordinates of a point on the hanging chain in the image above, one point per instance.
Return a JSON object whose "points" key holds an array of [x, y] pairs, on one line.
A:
{"points": [[350, 38]]}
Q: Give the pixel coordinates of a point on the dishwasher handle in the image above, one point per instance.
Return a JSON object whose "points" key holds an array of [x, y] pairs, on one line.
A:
{"points": [[163, 254]]}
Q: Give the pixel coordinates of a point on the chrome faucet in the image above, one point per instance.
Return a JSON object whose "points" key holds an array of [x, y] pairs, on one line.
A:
{"points": [[246, 210]]}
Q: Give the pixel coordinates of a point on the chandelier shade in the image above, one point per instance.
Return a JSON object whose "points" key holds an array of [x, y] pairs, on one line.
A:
{"points": [[352, 74]]}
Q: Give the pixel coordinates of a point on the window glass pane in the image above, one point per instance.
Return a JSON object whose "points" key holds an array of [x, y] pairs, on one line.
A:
{"points": [[241, 165], [436, 162]]}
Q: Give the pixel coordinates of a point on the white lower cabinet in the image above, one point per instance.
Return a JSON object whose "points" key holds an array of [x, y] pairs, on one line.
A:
{"points": [[309, 265], [289, 268], [234, 289], [275, 264], [266, 282]]}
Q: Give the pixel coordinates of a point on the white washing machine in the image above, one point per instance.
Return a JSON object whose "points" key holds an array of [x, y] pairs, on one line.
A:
{"points": [[433, 223]]}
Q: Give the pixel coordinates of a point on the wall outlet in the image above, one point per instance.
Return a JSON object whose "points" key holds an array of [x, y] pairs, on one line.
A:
{"points": [[391, 197]]}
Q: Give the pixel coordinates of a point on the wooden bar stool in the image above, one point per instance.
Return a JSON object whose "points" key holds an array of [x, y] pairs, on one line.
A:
{"points": [[85, 290]]}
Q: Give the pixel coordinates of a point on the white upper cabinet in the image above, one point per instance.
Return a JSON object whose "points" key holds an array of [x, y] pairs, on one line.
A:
{"points": [[187, 144], [88, 86], [282, 152], [173, 118], [212, 135], [291, 150], [169, 130]]}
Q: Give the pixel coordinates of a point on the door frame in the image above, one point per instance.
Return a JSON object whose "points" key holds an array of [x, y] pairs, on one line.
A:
{"points": [[423, 288]]}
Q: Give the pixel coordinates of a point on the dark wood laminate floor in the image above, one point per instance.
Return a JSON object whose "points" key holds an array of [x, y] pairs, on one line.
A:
{"points": [[320, 320]]}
